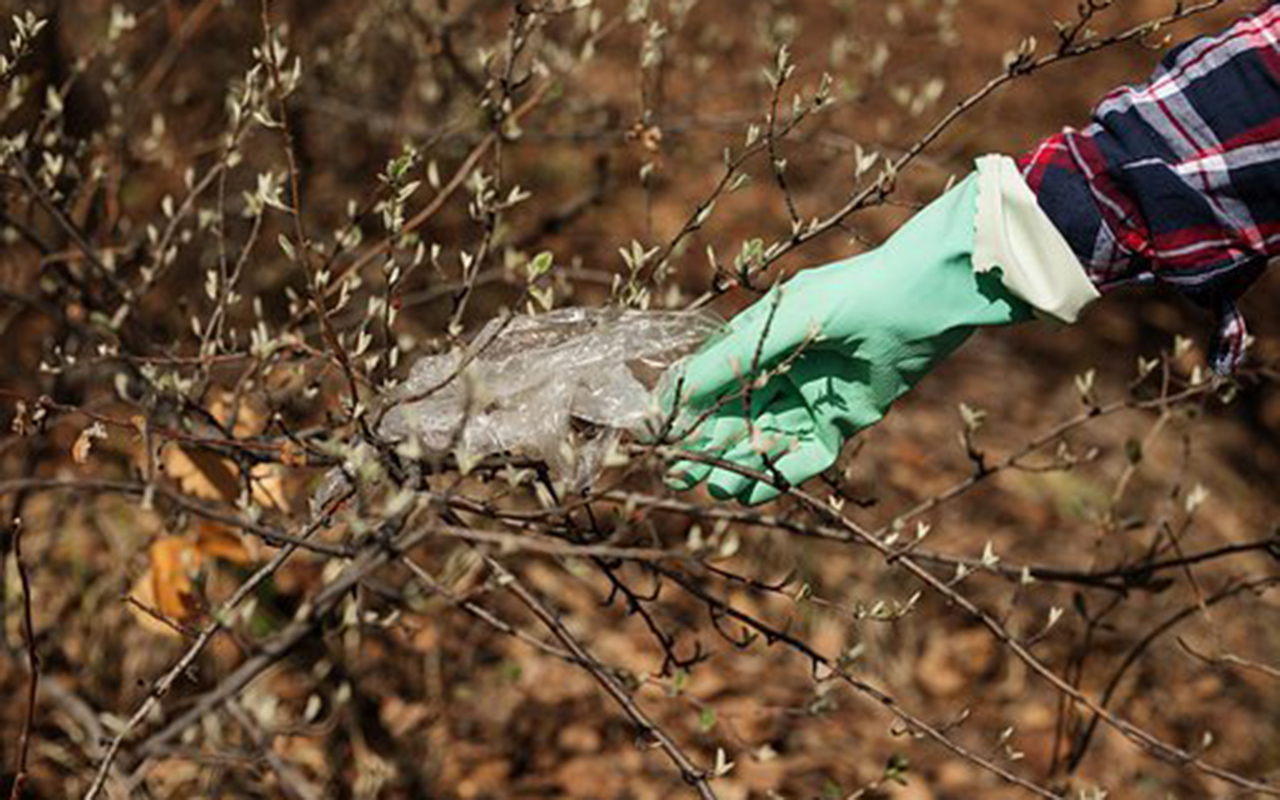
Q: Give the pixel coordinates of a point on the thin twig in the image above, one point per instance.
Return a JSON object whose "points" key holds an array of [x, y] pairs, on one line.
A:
{"points": [[883, 186], [693, 774], [33, 664], [833, 668], [1140, 736], [291, 780], [303, 245], [308, 620], [165, 683]]}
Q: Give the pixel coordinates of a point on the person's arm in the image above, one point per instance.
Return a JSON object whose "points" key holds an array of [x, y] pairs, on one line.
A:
{"points": [[1176, 180]]}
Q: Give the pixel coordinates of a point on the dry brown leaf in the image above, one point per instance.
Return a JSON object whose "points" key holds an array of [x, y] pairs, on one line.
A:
{"points": [[267, 481], [84, 442], [174, 563], [201, 474], [143, 607], [168, 586], [487, 779], [217, 541], [305, 752], [174, 777], [955, 661], [292, 455], [204, 475], [249, 420], [403, 718]]}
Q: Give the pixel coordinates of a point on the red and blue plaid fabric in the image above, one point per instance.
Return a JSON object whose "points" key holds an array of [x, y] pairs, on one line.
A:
{"points": [[1177, 180]]}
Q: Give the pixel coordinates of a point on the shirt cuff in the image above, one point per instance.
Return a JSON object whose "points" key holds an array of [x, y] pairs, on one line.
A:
{"points": [[1014, 234]]}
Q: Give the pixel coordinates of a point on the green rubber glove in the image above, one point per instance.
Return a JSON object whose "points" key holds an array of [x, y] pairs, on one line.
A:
{"points": [[840, 344]]}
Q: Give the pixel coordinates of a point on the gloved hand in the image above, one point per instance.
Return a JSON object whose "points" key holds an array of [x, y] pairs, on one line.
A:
{"points": [[830, 350]]}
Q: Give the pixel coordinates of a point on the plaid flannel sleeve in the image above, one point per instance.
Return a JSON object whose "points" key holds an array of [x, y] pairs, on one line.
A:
{"points": [[1178, 180]]}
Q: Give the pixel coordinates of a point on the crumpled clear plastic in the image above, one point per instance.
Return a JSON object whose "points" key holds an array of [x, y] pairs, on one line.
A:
{"points": [[559, 387]]}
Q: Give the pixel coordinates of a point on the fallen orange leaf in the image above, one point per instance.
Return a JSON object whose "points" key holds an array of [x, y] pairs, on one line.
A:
{"points": [[168, 586]]}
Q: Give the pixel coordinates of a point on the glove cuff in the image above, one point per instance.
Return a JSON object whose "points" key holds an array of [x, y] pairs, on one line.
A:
{"points": [[1012, 233]]}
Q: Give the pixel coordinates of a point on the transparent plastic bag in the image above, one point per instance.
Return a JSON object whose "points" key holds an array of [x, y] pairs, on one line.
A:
{"points": [[559, 386]]}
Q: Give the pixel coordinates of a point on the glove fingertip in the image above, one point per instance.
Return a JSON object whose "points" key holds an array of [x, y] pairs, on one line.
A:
{"points": [[760, 493], [684, 475], [726, 484], [719, 492]]}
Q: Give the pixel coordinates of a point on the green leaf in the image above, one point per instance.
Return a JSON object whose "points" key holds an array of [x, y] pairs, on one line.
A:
{"points": [[896, 769], [706, 720], [680, 680], [541, 264]]}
